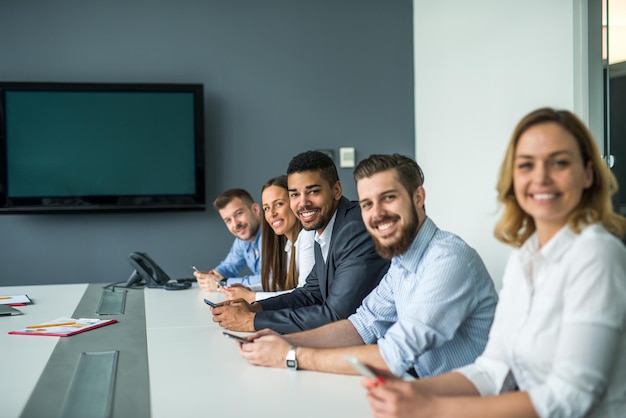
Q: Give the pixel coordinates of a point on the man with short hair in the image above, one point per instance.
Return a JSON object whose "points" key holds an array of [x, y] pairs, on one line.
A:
{"points": [[431, 312], [242, 217], [347, 266]]}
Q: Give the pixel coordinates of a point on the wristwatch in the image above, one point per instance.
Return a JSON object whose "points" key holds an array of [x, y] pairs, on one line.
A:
{"points": [[290, 360]]}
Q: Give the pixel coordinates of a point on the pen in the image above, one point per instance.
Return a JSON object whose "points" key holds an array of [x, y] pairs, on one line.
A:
{"points": [[52, 325], [194, 267], [5, 297]]}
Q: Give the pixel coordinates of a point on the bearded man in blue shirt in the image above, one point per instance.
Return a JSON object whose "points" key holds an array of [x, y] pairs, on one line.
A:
{"points": [[431, 312], [242, 217]]}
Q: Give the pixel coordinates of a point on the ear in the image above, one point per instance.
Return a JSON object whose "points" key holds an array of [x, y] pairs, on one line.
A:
{"points": [[256, 209], [337, 190], [588, 175], [419, 197]]}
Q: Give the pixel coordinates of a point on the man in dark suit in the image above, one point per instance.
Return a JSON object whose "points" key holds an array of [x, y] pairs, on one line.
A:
{"points": [[347, 266]]}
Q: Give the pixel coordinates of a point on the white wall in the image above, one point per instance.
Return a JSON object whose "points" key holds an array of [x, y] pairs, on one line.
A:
{"points": [[479, 67]]}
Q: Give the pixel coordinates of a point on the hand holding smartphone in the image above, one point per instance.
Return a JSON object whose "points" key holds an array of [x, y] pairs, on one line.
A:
{"points": [[211, 304], [217, 280], [363, 369], [236, 337]]}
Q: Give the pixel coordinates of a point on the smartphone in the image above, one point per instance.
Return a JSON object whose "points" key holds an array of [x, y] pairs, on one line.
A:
{"points": [[236, 337], [362, 368], [211, 304]]}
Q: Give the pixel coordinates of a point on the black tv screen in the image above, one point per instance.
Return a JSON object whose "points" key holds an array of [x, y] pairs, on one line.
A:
{"points": [[73, 147]]}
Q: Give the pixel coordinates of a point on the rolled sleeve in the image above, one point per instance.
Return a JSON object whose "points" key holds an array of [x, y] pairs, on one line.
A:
{"points": [[489, 376], [377, 312], [581, 374]]}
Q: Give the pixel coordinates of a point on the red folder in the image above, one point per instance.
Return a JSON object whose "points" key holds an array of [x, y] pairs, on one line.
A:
{"points": [[64, 327]]}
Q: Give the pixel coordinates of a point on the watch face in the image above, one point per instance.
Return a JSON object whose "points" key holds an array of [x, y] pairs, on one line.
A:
{"points": [[291, 364]]}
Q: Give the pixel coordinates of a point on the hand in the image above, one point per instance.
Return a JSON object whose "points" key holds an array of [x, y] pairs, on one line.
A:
{"points": [[238, 291], [207, 281], [236, 315], [217, 274], [267, 350], [398, 399]]}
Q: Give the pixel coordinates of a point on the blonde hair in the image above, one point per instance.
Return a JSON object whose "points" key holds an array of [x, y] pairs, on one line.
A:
{"points": [[515, 225]]}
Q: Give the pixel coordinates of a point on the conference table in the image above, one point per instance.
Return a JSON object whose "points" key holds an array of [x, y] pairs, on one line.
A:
{"points": [[173, 361]]}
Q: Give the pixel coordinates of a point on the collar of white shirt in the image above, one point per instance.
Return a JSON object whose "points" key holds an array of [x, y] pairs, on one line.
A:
{"points": [[553, 250], [324, 239]]}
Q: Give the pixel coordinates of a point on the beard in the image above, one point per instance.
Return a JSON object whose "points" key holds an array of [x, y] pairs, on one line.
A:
{"points": [[320, 223], [252, 231], [402, 244]]}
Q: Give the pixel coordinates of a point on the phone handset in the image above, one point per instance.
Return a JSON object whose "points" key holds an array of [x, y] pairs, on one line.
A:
{"points": [[147, 271]]}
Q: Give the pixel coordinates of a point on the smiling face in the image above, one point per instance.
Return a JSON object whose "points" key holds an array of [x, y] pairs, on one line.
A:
{"points": [[312, 199], [278, 214], [391, 215], [240, 219], [549, 176]]}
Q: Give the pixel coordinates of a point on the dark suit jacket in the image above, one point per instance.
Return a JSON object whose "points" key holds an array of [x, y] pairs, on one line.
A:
{"points": [[333, 290]]}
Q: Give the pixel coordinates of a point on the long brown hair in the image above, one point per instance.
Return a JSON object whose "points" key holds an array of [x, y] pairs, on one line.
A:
{"points": [[274, 269], [515, 225]]}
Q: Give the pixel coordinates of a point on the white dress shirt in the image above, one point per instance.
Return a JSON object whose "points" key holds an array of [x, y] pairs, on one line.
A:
{"points": [[559, 329], [325, 237], [305, 260]]}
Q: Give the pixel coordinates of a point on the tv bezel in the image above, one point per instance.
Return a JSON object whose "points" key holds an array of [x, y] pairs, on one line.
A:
{"points": [[112, 203]]}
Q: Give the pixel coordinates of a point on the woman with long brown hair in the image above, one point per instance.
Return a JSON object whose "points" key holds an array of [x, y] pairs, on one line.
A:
{"points": [[281, 237]]}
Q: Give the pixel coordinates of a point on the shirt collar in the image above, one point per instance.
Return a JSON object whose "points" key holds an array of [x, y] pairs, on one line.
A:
{"points": [[325, 237], [324, 240], [411, 258], [554, 248], [288, 246], [253, 245]]}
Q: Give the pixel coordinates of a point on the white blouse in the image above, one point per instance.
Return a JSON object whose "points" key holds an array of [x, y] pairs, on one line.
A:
{"points": [[305, 260], [559, 328]]}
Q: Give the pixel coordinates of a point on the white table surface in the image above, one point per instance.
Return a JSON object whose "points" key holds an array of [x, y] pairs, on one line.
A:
{"points": [[196, 371], [22, 357]]}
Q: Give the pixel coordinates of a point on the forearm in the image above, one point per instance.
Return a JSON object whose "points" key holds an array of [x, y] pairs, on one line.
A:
{"points": [[510, 405], [336, 334], [448, 384], [332, 360], [323, 349], [417, 399]]}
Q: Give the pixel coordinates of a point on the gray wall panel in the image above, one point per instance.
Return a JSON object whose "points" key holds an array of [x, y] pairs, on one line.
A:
{"points": [[280, 76]]}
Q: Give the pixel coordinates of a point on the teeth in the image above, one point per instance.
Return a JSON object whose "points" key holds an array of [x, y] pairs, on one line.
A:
{"points": [[385, 226], [544, 196], [307, 214], [277, 223]]}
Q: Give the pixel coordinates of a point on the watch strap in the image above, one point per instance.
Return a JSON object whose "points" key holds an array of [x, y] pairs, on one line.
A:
{"points": [[290, 360]]}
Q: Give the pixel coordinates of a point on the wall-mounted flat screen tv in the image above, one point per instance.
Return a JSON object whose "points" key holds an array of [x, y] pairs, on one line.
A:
{"points": [[83, 147]]}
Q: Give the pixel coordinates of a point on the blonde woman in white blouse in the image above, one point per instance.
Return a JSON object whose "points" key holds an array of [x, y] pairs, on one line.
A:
{"points": [[281, 236], [557, 347]]}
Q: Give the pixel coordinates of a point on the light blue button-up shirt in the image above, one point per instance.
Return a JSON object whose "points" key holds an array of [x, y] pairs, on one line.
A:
{"points": [[243, 253], [433, 309]]}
